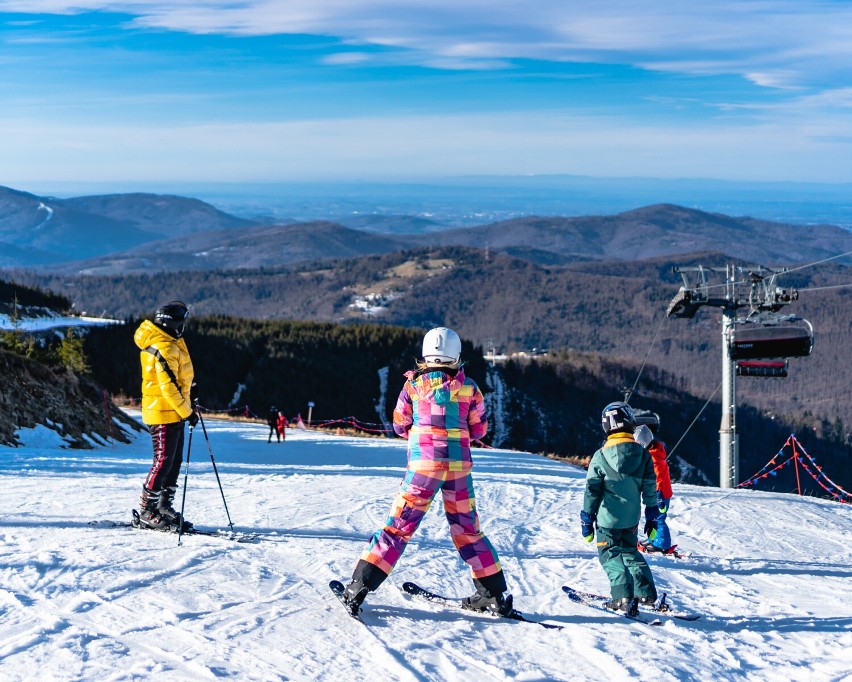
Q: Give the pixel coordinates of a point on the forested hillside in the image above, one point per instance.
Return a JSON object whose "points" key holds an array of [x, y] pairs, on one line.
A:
{"points": [[11, 293], [550, 405], [241, 363], [613, 308]]}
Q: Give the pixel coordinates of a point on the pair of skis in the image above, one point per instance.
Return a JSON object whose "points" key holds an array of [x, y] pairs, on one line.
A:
{"points": [[592, 600], [598, 601], [234, 536], [414, 590]]}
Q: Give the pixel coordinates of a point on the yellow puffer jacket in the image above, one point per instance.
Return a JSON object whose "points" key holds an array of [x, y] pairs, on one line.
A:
{"points": [[166, 375]]}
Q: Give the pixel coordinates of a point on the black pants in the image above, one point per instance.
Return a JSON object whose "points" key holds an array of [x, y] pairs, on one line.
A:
{"points": [[167, 440], [273, 431]]}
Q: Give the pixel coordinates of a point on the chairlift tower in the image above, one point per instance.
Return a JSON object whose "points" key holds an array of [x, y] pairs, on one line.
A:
{"points": [[764, 337]]}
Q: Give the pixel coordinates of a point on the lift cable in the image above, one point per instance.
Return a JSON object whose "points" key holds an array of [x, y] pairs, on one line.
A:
{"points": [[671, 452], [783, 272], [835, 286], [648, 352], [819, 262]]}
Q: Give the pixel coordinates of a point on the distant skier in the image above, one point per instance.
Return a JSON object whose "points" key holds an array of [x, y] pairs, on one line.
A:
{"points": [[168, 401], [439, 411], [272, 420], [621, 478], [281, 427], [659, 538]]}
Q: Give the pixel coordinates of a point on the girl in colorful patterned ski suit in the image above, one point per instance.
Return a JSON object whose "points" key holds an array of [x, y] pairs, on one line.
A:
{"points": [[440, 411]]}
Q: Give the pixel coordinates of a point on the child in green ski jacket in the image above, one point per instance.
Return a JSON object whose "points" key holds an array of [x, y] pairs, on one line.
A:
{"points": [[619, 480]]}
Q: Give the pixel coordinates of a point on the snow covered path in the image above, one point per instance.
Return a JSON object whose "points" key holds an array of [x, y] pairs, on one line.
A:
{"points": [[771, 573]]}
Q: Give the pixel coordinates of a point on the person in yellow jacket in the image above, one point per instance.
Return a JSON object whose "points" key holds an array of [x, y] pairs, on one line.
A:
{"points": [[168, 400]]}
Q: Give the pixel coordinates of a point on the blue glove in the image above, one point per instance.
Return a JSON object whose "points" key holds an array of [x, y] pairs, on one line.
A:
{"points": [[651, 514], [663, 504], [587, 526]]}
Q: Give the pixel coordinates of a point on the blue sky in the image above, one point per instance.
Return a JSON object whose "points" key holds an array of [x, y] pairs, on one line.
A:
{"points": [[331, 90]]}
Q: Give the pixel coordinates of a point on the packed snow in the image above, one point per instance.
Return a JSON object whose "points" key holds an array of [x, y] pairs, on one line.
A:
{"points": [[770, 573]]}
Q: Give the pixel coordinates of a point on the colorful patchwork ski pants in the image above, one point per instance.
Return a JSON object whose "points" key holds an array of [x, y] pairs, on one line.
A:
{"points": [[626, 568], [417, 490]]}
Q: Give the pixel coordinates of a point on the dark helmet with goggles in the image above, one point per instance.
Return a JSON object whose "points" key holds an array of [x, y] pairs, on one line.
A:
{"points": [[172, 318]]}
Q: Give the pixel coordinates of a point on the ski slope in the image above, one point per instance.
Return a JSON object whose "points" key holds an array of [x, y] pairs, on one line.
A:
{"points": [[771, 573]]}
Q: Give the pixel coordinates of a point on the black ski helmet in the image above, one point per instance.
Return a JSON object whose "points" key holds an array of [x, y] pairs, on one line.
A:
{"points": [[172, 317], [618, 416], [648, 418]]}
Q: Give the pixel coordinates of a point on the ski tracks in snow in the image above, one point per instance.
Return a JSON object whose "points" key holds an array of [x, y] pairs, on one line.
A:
{"points": [[768, 573]]}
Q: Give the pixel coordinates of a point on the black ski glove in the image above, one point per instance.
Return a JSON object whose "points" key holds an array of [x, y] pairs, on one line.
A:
{"points": [[192, 418]]}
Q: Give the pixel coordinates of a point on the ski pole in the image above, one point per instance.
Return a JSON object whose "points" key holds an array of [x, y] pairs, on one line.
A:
{"points": [[216, 471], [185, 479]]}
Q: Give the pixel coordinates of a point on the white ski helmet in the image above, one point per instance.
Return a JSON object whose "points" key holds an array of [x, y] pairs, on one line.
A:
{"points": [[441, 345]]}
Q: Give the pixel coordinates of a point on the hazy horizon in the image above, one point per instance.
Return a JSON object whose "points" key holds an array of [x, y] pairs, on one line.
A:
{"points": [[469, 200]]}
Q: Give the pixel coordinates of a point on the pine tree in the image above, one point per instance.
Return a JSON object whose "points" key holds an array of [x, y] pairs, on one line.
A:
{"points": [[71, 353], [13, 339]]}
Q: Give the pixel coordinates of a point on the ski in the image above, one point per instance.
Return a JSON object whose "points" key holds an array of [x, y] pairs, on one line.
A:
{"points": [[338, 590], [661, 607], [672, 551], [422, 593], [597, 601], [234, 536]]}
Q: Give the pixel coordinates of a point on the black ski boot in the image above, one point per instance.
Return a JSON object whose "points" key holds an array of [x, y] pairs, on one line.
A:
{"points": [[499, 604], [164, 507], [149, 514], [628, 605], [354, 596], [489, 596]]}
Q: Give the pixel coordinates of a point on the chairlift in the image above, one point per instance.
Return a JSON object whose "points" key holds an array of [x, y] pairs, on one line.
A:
{"points": [[762, 368], [754, 342]]}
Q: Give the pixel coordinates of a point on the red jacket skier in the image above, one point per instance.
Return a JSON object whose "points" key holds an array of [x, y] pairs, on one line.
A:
{"points": [[659, 537]]}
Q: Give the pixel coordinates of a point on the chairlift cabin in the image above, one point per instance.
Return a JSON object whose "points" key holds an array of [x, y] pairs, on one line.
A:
{"points": [[753, 342], [762, 368]]}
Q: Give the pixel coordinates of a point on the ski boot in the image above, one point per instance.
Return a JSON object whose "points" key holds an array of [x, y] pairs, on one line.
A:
{"points": [[489, 595], [354, 596], [628, 605], [164, 507], [651, 548], [149, 516], [500, 605]]}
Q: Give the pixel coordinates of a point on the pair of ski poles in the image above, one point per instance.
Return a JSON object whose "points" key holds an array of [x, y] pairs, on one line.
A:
{"points": [[186, 474]]}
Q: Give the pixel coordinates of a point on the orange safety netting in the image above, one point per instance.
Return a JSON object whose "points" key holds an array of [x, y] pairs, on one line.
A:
{"points": [[799, 457]]}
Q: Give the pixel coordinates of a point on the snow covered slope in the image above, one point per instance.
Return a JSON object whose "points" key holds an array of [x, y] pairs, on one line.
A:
{"points": [[771, 573]]}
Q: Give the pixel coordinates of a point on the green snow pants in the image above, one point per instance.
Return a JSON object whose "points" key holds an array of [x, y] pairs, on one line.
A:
{"points": [[628, 572]]}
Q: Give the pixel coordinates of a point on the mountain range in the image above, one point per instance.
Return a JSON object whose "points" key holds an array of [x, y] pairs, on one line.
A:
{"points": [[124, 233], [596, 284], [37, 230]]}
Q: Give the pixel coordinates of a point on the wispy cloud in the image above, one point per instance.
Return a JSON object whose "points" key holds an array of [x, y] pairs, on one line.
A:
{"points": [[253, 89], [774, 43]]}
